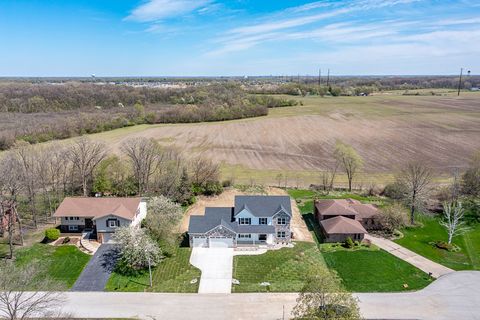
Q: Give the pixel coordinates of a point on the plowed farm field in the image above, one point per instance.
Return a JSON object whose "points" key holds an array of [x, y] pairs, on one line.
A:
{"points": [[297, 142]]}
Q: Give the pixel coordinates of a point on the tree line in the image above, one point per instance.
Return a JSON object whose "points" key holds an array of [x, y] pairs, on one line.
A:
{"points": [[41, 112]]}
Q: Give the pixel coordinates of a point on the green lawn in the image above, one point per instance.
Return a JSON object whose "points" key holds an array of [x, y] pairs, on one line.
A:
{"points": [[418, 239], [374, 271], [284, 269], [62, 263], [173, 274]]}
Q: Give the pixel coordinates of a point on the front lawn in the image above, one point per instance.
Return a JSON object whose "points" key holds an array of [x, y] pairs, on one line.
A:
{"points": [[173, 274], [285, 269], [419, 239], [374, 271], [62, 263]]}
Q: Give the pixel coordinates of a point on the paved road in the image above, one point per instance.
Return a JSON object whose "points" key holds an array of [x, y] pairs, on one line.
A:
{"points": [[453, 296], [216, 265], [95, 275], [411, 257]]}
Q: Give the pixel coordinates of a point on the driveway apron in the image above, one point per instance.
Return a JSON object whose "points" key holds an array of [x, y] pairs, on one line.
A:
{"points": [[95, 275], [216, 265]]}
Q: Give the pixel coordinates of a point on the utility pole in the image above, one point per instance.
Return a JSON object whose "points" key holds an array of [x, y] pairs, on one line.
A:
{"points": [[328, 77], [149, 269], [319, 77], [460, 81]]}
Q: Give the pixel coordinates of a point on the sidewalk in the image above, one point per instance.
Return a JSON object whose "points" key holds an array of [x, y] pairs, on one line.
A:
{"points": [[411, 257]]}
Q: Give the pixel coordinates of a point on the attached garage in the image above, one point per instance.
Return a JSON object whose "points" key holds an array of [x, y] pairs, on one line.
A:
{"points": [[199, 242], [220, 242], [105, 237]]}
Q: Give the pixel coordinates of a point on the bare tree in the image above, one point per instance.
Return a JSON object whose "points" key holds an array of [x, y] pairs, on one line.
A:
{"points": [[9, 220], [85, 155], [453, 221], [144, 155], [350, 160], [28, 158], [328, 176], [204, 170], [17, 301], [10, 176], [416, 177]]}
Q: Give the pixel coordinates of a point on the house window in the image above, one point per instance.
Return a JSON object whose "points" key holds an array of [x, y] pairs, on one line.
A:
{"points": [[281, 220], [262, 221], [262, 237], [244, 236], [113, 223], [244, 221], [281, 234], [72, 228]]}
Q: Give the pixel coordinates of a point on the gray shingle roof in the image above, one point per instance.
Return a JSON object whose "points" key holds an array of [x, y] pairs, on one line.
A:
{"points": [[213, 217], [263, 206]]}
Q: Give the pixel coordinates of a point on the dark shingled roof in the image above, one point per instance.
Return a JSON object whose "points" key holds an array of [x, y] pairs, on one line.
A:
{"points": [[213, 217], [263, 206]]}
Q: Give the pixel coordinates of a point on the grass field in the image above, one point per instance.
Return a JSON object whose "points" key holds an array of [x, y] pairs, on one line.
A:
{"points": [[173, 274], [63, 264], [284, 269], [298, 141], [419, 240], [374, 271]]}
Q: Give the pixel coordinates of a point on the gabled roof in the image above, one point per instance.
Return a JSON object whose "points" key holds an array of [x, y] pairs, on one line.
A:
{"points": [[213, 217], [342, 225], [98, 207], [263, 206]]}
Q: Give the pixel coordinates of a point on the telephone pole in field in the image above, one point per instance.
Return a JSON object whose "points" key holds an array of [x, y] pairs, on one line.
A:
{"points": [[460, 81]]}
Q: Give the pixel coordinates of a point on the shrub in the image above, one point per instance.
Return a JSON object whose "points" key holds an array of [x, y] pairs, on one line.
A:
{"points": [[52, 234], [212, 188], [395, 190], [66, 240], [226, 183], [348, 243]]}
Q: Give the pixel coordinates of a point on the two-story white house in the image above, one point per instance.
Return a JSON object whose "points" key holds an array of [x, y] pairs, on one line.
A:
{"points": [[253, 220], [100, 215]]}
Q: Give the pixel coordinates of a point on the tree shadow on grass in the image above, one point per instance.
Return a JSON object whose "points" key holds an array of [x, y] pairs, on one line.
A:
{"points": [[313, 226]]}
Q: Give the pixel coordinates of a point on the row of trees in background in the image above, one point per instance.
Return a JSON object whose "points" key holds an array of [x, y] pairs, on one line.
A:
{"points": [[41, 112]]}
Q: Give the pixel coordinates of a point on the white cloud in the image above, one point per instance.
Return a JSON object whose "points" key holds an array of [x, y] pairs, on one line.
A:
{"points": [[154, 10]]}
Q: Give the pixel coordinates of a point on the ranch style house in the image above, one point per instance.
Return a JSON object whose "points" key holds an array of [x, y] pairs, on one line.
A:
{"points": [[101, 216], [340, 219], [253, 220]]}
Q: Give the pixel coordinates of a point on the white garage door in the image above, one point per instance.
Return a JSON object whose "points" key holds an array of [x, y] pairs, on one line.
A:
{"points": [[220, 242], [108, 237], [199, 242]]}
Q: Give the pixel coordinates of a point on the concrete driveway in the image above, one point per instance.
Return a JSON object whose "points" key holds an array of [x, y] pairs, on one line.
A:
{"points": [[409, 256], [95, 275], [216, 265]]}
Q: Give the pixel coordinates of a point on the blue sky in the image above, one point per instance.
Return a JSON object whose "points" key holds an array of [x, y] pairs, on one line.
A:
{"points": [[237, 37]]}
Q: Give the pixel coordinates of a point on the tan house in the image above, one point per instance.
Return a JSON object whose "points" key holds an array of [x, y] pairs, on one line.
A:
{"points": [[343, 218], [99, 215]]}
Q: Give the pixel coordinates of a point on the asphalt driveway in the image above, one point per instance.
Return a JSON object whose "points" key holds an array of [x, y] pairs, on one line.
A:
{"points": [[95, 275], [216, 265]]}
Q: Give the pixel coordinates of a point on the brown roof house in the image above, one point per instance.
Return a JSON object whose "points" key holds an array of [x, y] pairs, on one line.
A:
{"points": [[100, 215], [343, 218]]}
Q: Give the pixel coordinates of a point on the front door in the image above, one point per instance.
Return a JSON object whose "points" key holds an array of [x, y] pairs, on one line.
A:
{"points": [[88, 223], [262, 237]]}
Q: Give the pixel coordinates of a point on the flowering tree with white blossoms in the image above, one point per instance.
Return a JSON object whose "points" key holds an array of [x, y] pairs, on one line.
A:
{"points": [[137, 249]]}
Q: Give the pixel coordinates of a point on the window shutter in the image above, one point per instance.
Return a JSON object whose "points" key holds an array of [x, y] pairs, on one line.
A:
{"points": [[118, 223], [106, 223]]}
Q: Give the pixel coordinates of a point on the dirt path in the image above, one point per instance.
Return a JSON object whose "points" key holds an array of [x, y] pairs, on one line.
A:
{"points": [[226, 199]]}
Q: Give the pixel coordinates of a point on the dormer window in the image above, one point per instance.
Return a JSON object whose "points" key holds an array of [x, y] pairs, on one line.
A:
{"points": [[282, 221], [244, 221]]}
